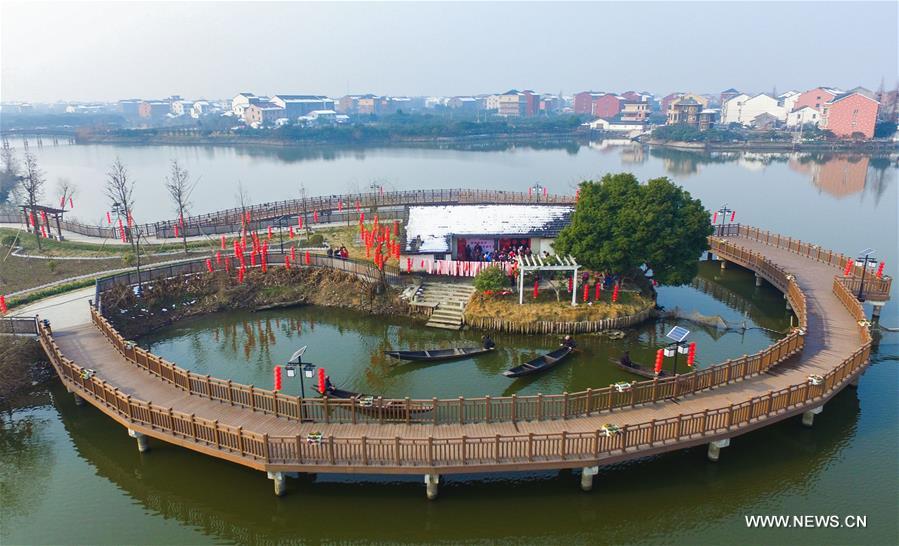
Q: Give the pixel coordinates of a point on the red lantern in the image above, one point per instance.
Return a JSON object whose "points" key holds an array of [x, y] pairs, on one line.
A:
{"points": [[247, 217], [545, 192], [536, 289], [715, 218], [209, 265], [586, 292], [44, 232], [71, 203], [3, 308], [62, 202], [308, 258], [660, 356], [176, 231], [321, 380], [269, 232], [733, 215], [240, 274], [265, 263], [300, 222], [277, 378], [340, 206], [293, 254], [408, 265], [880, 270], [691, 354], [223, 242], [530, 192], [287, 262], [848, 268], [218, 257], [253, 259], [108, 218], [615, 293], [597, 292], [291, 232], [228, 265], [315, 216], [358, 206], [396, 227], [570, 283]]}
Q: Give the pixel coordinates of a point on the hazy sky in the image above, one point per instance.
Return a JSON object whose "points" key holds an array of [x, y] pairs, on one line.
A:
{"points": [[94, 51]]}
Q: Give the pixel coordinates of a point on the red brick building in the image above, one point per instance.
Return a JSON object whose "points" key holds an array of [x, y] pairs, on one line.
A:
{"points": [[583, 102], [850, 114], [815, 98], [607, 106]]}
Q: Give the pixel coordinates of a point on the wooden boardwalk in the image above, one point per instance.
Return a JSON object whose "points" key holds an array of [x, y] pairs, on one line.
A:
{"points": [[833, 345]]}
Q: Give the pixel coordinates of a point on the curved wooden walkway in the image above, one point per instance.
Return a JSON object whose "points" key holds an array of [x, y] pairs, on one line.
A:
{"points": [[834, 346]]}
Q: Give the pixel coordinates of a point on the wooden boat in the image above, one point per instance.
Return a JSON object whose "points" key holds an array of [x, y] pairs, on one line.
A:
{"points": [[638, 369], [539, 364], [438, 355], [367, 404]]}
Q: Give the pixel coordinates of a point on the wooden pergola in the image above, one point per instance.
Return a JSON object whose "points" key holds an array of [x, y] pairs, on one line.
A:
{"points": [[554, 262], [38, 212]]}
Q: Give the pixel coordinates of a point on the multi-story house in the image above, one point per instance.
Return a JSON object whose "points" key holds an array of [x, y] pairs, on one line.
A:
{"points": [[154, 109], [851, 114], [726, 95], [634, 110], [583, 102], [263, 113], [684, 111], [743, 109], [816, 98]]}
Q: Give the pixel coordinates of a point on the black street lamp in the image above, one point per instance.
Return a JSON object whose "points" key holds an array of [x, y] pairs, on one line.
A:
{"points": [[296, 366], [867, 253], [678, 334], [723, 212]]}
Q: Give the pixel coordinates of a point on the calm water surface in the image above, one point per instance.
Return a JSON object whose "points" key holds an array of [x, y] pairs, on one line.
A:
{"points": [[70, 475]]}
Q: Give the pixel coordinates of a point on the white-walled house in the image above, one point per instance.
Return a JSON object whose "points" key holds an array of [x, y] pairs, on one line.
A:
{"points": [[182, 107], [804, 115], [788, 99], [743, 109]]}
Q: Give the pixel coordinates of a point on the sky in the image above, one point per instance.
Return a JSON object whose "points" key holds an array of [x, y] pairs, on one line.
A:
{"points": [[109, 51]]}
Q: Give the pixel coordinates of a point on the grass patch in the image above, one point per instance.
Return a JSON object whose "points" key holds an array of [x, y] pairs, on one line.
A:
{"points": [[546, 308]]}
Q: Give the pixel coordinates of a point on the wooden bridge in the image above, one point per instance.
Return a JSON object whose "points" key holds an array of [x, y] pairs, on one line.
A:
{"points": [[282, 434]]}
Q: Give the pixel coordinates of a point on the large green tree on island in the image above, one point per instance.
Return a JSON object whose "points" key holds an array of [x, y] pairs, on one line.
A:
{"points": [[619, 225]]}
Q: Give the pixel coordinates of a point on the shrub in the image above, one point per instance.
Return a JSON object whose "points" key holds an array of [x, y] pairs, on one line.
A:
{"points": [[316, 239], [51, 265], [490, 279], [128, 259]]}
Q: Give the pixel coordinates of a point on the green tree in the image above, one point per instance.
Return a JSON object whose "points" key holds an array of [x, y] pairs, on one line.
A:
{"points": [[490, 278], [620, 225]]}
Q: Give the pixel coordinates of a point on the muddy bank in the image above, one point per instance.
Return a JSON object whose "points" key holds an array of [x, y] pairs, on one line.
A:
{"points": [[171, 300], [23, 366]]}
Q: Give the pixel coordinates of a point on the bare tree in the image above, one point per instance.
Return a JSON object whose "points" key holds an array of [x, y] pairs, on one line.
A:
{"points": [[32, 184], [9, 171], [243, 201], [180, 186], [66, 190], [120, 190]]}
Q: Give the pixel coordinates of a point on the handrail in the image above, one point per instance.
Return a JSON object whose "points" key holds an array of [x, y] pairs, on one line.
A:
{"points": [[263, 450], [488, 409]]}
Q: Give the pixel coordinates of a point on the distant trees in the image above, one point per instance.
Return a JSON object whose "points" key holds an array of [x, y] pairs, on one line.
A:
{"points": [[9, 170], [32, 186], [620, 225], [180, 186]]}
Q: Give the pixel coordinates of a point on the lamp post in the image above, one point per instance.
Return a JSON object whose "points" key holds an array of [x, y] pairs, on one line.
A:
{"points": [[537, 190], [867, 253], [723, 212], [678, 334], [296, 366]]}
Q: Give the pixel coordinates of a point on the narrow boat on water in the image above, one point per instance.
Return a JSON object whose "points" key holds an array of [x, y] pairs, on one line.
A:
{"points": [[369, 405], [630, 366], [439, 355], [540, 364]]}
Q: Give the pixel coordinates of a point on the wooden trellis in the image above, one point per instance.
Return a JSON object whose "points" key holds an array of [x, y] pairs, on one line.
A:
{"points": [[547, 263]]}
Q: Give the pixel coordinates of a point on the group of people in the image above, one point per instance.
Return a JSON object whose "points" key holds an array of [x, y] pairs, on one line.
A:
{"points": [[341, 253], [508, 254]]}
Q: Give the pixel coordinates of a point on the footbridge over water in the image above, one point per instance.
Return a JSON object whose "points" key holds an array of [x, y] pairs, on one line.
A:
{"points": [[282, 435]]}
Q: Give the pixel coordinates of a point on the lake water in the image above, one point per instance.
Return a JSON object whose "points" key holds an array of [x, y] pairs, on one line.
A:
{"points": [[70, 475]]}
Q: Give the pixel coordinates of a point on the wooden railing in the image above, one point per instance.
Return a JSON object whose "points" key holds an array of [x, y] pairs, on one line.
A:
{"points": [[486, 409], [408, 454], [876, 288], [19, 326]]}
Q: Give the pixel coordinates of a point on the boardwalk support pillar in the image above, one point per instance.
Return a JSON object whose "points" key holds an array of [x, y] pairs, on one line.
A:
{"points": [[716, 447], [587, 474], [789, 308], [78, 400], [280, 481], [723, 263], [758, 279], [876, 306], [431, 481], [142, 444], [808, 418]]}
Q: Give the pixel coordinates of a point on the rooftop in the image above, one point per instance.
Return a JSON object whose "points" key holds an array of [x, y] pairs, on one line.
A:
{"points": [[436, 224]]}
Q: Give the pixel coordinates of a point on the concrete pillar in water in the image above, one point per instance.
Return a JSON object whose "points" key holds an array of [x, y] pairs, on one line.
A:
{"points": [[142, 445], [78, 400], [431, 481], [587, 474], [875, 311], [854, 382], [758, 279], [716, 447], [723, 264], [788, 303], [280, 481], [808, 418]]}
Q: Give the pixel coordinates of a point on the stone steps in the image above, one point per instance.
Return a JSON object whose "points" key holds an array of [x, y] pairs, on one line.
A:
{"points": [[449, 302]]}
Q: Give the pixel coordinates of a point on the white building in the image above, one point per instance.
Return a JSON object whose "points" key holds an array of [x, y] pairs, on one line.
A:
{"points": [[804, 115], [617, 125], [300, 105], [788, 99], [241, 101], [182, 107], [201, 108], [743, 109]]}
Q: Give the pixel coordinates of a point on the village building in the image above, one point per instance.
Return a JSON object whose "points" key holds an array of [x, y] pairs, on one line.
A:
{"points": [[816, 98], [743, 109], [684, 111], [803, 116], [634, 110], [726, 95], [241, 101], [444, 232], [263, 113], [788, 100], [299, 105], [852, 114]]}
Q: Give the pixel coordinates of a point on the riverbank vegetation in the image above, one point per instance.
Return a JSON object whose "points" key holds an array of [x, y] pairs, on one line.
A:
{"points": [[169, 300], [22, 364], [505, 307]]}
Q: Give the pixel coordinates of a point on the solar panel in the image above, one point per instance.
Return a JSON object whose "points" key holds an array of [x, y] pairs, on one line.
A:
{"points": [[678, 333]]}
